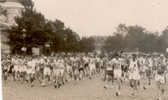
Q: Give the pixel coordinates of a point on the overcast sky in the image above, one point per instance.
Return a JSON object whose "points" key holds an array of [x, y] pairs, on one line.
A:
{"points": [[101, 17]]}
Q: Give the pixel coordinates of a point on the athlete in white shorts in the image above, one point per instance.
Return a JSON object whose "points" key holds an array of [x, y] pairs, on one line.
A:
{"points": [[31, 71], [118, 73], [134, 75], [161, 82]]}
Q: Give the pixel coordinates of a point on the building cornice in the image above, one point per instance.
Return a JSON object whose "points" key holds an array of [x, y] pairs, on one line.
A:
{"points": [[4, 25], [11, 5]]}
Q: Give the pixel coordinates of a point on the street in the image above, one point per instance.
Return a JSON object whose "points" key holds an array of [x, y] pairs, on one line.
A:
{"points": [[81, 90]]}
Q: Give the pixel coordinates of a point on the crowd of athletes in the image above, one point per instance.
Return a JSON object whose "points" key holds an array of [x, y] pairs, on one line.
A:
{"points": [[140, 70], [47, 70], [60, 69]]}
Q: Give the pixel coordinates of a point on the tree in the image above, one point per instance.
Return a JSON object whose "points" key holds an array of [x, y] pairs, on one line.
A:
{"points": [[114, 43], [64, 39], [31, 30], [87, 44], [136, 38], [28, 4], [121, 29], [34, 30], [72, 40], [163, 40]]}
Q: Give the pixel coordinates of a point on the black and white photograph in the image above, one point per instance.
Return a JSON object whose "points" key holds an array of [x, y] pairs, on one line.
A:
{"points": [[84, 50]]}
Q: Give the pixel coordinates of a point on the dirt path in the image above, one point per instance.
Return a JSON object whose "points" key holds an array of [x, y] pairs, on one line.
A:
{"points": [[82, 90]]}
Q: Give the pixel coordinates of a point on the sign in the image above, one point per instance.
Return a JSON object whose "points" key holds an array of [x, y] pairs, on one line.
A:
{"points": [[167, 50], [47, 45], [36, 51], [24, 49]]}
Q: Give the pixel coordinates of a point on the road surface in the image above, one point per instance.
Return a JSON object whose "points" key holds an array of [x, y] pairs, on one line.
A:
{"points": [[82, 90]]}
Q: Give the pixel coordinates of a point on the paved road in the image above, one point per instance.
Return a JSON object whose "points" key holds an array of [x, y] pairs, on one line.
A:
{"points": [[82, 90]]}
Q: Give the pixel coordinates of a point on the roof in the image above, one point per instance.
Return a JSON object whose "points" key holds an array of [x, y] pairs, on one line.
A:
{"points": [[9, 1], [12, 1], [11, 4], [2, 0], [4, 25]]}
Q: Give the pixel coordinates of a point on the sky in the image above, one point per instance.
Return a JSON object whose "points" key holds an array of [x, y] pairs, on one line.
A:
{"points": [[101, 17]]}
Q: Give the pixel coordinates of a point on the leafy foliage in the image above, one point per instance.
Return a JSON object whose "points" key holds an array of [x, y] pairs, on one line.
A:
{"points": [[34, 30], [87, 44], [131, 38]]}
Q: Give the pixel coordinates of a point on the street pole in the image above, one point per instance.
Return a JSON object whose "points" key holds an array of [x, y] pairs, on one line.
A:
{"points": [[24, 36]]}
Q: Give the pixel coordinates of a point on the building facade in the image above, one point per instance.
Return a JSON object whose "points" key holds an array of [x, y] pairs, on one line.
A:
{"points": [[9, 9]]}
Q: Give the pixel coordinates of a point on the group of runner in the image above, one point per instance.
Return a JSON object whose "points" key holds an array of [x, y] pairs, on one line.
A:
{"points": [[59, 69], [56, 70], [136, 69]]}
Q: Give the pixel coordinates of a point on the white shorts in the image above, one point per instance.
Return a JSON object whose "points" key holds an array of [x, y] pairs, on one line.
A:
{"points": [[160, 78], [24, 69], [20, 69], [56, 72], [69, 69], [134, 76], [92, 67], [47, 71], [109, 68], [143, 69], [117, 73], [16, 68], [62, 71], [166, 76], [30, 71]]}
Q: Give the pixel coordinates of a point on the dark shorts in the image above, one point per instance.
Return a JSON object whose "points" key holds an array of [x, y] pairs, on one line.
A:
{"points": [[81, 69], [109, 72]]}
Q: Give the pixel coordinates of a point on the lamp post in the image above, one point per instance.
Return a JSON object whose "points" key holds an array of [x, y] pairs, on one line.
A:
{"points": [[24, 49], [65, 42], [47, 46]]}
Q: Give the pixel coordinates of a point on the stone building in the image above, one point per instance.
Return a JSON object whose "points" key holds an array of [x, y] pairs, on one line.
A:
{"points": [[9, 9]]}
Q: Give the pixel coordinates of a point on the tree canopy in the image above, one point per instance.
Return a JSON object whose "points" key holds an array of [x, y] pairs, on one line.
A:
{"points": [[136, 37], [34, 30]]}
